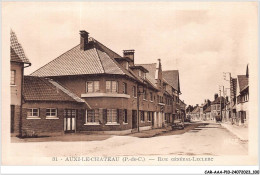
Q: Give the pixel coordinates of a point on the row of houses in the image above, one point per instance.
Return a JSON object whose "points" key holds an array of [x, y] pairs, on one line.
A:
{"points": [[221, 108], [91, 88]]}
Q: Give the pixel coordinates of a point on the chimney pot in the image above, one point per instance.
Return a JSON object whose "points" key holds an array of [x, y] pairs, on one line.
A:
{"points": [[130, 54], [216, 96], [83, 39]]}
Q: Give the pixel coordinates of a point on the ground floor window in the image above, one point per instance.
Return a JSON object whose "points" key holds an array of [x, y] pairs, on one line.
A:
{"points": [[125, 115], [112, 116], [92, 116], [150, 116], [32, 113], [51, 113], [142, 116]]}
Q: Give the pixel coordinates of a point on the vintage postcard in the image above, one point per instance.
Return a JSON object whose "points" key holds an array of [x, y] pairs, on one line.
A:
{"points": [[130, 83]]}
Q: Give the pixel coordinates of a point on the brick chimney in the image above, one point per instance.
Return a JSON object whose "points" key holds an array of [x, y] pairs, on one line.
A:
{"points": [[215, 96], [83, 39], [130, 54]]}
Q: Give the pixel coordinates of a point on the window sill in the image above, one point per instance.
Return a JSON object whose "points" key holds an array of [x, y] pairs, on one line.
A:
{"points": [[135, 97], [93, 124], [112, 124], [13, 85], [149, 121], [142, 121], [125, 123], [144, 100], [52, 118], [32, 118]]}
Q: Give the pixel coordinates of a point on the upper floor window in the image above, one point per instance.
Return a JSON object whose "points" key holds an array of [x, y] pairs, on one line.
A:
{"points": [[139, 73], [124, 88], [92, 86], [134, 91], [13, 75], [151, 96], [144, 95], [112, 86]]}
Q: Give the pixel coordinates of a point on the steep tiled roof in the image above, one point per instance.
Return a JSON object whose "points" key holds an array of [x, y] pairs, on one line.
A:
{"points": [[233, 87], [242, 82], [96, 59], [172, 77], [196, 110], [44, 89], [208, 109], [217, 101], [151, 74], [17, 52]]}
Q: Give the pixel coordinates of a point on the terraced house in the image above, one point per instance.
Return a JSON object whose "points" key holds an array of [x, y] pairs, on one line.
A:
{"points": [[97, 90]]}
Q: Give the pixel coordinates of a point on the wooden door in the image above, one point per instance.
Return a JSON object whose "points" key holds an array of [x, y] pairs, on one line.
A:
{"points": [[70, 120]]}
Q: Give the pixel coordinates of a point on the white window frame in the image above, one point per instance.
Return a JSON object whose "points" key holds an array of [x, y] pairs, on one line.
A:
{"points": [[33, 116], [110, 112], [52, 116], [124, 88], [134, 91], [94, 87], [13, 77], [111, 86], [96, 122]]}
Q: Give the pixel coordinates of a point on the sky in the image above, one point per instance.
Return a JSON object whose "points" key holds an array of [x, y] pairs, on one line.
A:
{"points": [[200, 39]]}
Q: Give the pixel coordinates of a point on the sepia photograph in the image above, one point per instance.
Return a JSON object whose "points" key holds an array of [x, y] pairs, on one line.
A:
{"points": [[130, 83]]}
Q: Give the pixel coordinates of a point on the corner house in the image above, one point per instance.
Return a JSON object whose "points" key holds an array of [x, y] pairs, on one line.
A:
{"points": [[107, 87]]}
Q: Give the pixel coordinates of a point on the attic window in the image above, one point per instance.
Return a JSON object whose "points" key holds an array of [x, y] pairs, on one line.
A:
{"points": [[140, 73]]}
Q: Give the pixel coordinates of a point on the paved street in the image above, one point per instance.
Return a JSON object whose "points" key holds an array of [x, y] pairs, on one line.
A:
{"points": [[205, 139]]}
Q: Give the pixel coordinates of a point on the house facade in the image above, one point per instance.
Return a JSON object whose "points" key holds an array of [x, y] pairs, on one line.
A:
{"points": [[117, 95], [217, 107], [242, 101], [18, 61]]}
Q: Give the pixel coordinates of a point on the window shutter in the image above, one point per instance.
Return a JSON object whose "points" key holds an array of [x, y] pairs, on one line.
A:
{"points": [[101, 111], [119, 113], [104, 116]]}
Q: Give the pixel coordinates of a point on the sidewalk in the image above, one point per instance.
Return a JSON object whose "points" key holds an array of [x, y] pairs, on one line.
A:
{"points": [[239, 131]]}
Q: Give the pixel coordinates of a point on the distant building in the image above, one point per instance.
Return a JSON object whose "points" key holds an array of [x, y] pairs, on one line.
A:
{"points": [[216, 107], [195, 114]]}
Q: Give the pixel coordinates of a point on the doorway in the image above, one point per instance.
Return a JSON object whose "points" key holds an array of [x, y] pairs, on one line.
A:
{"points": [[70, 120]]}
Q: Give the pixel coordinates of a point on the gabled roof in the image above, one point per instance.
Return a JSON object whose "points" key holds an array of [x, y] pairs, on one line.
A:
{"points": [[196, 109], [208, 109], [16, 50], [242, 82], [96, 59], [151, 74], [217, 100], [233, 86], [172, 77], [45, 89]]}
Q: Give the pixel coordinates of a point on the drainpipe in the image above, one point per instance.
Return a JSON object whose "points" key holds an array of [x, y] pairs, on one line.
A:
{"points": [[21, 110]]}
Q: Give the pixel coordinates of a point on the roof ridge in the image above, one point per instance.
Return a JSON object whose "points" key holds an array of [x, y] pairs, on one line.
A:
{"points": [[100, 60], [105, 46], [54, 59]]}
